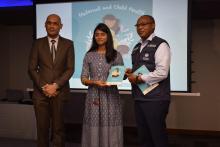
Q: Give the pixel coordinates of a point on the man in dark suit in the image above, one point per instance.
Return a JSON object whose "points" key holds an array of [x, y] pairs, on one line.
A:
{"points": [[51, 65]]}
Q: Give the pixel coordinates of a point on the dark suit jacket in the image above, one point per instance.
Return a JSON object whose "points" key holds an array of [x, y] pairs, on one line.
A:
{"points": [[43, 70]]}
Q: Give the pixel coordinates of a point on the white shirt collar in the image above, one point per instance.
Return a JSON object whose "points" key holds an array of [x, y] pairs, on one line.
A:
{"points": [[148, 39], [145, 42], [50, 43], [56, 39]]}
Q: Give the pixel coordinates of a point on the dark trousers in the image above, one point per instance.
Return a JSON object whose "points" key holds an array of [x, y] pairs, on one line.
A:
{"points": [[151, 123], [49, 115]]}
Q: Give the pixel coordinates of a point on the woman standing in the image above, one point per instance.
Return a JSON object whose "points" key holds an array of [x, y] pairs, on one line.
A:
{"points": [[102, 122]]}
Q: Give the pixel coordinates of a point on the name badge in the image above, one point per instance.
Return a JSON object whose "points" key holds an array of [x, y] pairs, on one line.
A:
{"points": [[151, 45]]}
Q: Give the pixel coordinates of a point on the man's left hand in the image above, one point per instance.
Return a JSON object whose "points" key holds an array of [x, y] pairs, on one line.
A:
{"points": [[50, 90]]}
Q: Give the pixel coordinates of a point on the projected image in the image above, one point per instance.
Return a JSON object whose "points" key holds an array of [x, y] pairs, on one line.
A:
{"points": [[114, 24]]}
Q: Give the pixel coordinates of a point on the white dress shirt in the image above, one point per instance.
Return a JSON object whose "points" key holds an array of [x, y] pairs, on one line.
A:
{"points": [[50, 43], [162, 62]]}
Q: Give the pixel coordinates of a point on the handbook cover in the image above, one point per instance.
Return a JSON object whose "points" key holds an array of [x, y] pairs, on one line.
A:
{"points": [[116, 75], [144, 87]]}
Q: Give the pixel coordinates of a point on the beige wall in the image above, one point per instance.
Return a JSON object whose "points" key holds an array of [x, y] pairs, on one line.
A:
{"points": [[186, 112], [201, 113]]}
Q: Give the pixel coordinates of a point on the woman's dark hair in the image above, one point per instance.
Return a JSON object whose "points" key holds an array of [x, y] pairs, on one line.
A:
{"points": [[111, 53]]}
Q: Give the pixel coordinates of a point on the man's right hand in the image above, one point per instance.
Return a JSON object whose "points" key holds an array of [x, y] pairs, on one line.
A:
{"points": [[50, 90], [132, 78], [128, 71]]}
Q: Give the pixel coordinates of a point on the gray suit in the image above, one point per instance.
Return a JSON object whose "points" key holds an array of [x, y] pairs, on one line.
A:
{"points": [[43, 71]]}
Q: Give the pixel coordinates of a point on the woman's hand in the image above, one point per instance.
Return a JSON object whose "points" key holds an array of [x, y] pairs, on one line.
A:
{"points": [[101, 84]]}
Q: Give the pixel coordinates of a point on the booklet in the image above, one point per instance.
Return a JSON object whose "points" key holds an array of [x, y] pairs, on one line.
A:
{"points": [[116, 75], [144, 87]]}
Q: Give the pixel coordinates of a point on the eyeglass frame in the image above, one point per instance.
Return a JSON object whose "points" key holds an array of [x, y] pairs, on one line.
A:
{"points": [[143, 24]]}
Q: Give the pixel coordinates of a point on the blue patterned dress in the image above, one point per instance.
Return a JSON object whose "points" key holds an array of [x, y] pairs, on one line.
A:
{"points": [[102, 122]]}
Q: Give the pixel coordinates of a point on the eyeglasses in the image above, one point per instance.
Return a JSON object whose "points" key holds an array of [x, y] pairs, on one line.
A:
{"points": [[142, 24]]}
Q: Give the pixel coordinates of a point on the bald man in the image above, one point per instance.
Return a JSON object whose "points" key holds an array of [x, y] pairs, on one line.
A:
{"points": [[51, 65]]}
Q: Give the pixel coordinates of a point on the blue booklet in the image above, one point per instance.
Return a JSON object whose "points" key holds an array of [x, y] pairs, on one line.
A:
{"points": [[116, 75], [144, 87]]}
